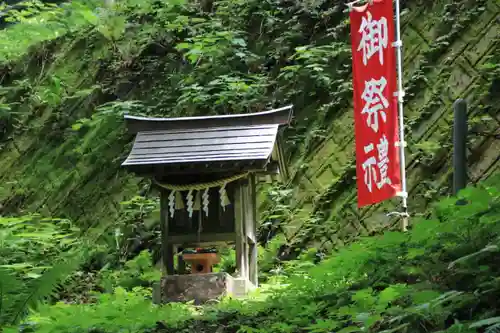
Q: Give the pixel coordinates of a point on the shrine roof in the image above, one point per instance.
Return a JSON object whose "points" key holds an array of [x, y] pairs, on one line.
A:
{"points": [[205, 144]]}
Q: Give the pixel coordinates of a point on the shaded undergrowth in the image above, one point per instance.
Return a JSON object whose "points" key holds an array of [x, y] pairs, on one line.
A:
{"points": [[439, 277]]}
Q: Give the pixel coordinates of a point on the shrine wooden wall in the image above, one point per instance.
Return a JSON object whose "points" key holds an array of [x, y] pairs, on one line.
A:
{"points": [[219, 219]]}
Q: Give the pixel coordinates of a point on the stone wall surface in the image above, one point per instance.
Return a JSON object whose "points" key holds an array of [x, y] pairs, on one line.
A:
{"points": [[451, 49], [445, 57]]}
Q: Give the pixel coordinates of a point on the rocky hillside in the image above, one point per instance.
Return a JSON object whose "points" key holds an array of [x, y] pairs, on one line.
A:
{"points": [[67, 80], [70, 72]]}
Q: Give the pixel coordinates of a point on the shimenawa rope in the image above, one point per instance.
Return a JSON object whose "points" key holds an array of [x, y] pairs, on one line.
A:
{"points": [[201, 186]]}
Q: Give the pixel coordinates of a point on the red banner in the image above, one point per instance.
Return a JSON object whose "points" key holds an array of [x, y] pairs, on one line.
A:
{"points": [[375, 102]]}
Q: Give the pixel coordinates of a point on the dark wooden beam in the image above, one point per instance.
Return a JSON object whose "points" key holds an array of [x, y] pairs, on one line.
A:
{"points": [[170, 267], [251, 222], [239, 207], [208, 244], [181, 264], [203, 238], [281, 116], [282, 165], [253, 268], [206, 168]]}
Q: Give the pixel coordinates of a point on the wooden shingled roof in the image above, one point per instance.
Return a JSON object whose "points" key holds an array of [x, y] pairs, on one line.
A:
{"points": [[214, 144]]}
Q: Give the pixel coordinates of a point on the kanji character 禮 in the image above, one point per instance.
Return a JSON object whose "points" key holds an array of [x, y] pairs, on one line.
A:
{"points": [[383, 161], [369, 167]]}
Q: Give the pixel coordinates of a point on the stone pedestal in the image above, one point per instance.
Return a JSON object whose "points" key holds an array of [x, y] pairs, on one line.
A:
{"points": [[241, 287], [199, 288], [195, 287]]}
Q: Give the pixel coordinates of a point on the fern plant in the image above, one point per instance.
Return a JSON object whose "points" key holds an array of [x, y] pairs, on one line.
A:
{"points": [[19, 295], [37, 255]]}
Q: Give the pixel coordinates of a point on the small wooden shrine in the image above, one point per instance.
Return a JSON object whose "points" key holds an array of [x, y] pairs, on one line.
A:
{"points": [[206, 169]]}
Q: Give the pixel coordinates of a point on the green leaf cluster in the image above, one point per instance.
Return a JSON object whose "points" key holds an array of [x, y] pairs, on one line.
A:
{"points": [[426, 280]]}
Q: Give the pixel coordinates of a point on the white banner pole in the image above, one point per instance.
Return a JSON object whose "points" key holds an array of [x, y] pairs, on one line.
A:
{"points": [[402, 143]]}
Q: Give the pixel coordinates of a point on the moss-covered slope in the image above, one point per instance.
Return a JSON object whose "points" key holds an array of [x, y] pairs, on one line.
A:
{"points": [[174, 58]]}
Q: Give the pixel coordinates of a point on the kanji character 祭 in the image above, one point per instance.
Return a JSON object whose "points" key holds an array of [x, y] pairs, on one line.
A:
{"points": [[375, 102], [373, 37]]}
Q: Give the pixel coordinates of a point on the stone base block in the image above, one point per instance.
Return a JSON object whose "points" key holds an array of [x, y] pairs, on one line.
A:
{"points": [[241, 287], [196, 287], [199, 288]]}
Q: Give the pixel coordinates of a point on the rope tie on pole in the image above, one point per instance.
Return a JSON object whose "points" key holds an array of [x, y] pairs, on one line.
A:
{"points": [[351, 4]]}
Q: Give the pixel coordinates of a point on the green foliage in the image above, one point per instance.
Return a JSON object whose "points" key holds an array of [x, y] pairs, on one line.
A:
{"points": [[70, 73], [227, 260], [40, 22], [135, 273], [36, 255], [268, 261], [186, 58], [426, 280], [29, 244], [139, 221], [120, 311]]}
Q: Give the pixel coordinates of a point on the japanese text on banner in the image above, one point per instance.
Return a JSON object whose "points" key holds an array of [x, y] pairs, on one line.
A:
{"points": [[375, 102]]}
